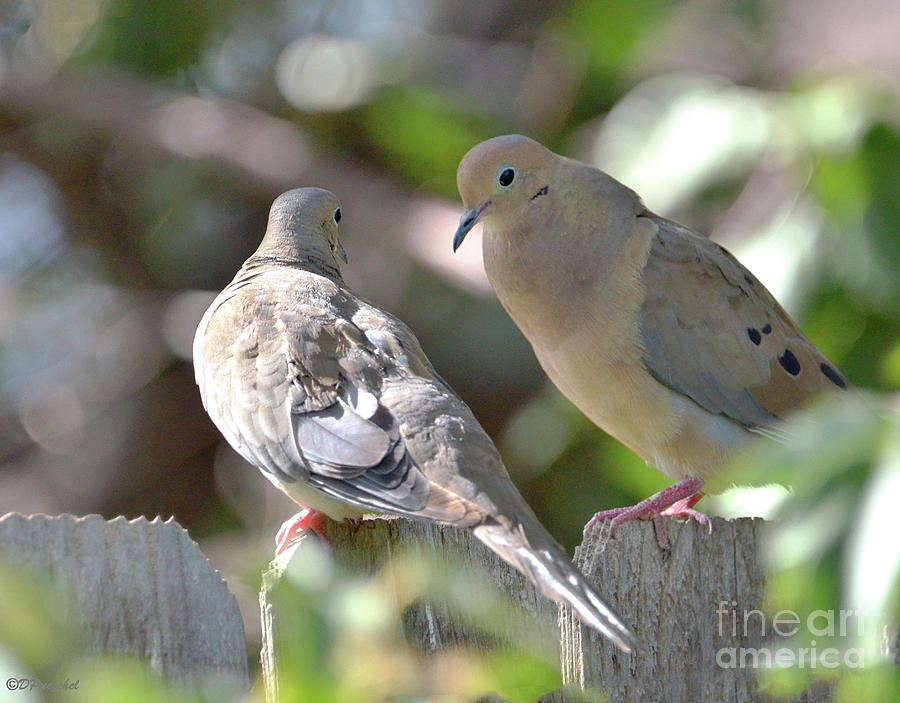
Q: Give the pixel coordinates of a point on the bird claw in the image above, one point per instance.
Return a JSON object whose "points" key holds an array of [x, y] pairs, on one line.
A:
{"points": [[674, 501], [690, 514], [617, 516], [604, 515], [294, 529]]}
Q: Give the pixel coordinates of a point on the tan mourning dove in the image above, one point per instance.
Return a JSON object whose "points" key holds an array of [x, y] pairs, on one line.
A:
{"points": [[657, 334], [336, 403]]}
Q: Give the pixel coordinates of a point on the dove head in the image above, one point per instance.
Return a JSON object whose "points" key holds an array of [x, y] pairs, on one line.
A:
{"points": [[303, 229], [499, 179]]}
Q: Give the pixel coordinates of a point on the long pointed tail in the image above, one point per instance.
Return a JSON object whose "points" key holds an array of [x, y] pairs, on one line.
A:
{"points": [[545, 563]]}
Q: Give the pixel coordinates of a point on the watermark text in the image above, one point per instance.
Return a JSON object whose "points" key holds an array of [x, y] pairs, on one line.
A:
{"points": [[773, 634], [34, 684]]}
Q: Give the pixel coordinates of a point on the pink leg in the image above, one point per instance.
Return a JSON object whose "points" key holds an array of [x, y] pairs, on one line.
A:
{"points": [[293, 529], [674, 501]]}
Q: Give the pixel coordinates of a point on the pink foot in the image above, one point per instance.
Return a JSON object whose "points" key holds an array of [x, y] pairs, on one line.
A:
{"points": [[674, 501], [684, 508], [292, 530]]}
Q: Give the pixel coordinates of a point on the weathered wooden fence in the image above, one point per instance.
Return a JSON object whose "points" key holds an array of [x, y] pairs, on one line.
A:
{"points": [[680, 607], [139, 588], [144, 588]]}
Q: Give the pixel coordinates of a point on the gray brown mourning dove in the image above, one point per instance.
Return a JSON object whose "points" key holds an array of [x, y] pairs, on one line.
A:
{"points": [[336, 403], [657, 334]]}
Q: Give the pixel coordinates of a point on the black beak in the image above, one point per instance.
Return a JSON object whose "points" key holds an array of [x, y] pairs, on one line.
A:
{"points": [[468, 220]]}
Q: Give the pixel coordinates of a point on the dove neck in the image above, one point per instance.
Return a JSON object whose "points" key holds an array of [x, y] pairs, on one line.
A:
{"points": [[550, 277], [287, 248], [304, 263]]}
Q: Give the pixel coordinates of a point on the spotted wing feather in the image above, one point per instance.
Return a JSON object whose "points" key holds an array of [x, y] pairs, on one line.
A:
{"points": [[711, 331]]}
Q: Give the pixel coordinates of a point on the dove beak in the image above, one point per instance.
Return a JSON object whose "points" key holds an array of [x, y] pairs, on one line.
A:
{"points": [[341, 252], [468, 220]]}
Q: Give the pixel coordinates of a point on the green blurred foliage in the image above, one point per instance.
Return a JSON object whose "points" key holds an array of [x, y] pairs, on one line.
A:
{"points": [[161, 38], [338, 637], [610, 32], [401, 125], [343, 638], [38, 642], [831, 549], [691, 103]]}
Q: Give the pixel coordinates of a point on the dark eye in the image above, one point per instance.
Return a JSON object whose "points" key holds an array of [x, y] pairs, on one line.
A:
{"points": [[505, 176], [337, 216]]}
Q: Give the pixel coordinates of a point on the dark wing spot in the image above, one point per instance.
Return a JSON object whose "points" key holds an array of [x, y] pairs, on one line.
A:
{"points": [[789, 362], [748, 278], [832, 375], [542, 191], [754, 335], [767, 329]]}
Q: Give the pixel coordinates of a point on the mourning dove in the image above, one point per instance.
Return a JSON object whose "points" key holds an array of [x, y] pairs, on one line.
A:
{"points": [[336, 403], [657, 334]]}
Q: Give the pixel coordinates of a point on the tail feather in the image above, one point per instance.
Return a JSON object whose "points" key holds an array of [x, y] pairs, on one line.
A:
{"points": [[547, 567]]}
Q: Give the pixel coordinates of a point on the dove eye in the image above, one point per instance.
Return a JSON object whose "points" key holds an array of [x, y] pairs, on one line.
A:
{"points": [[506, 175], [337, 216]]}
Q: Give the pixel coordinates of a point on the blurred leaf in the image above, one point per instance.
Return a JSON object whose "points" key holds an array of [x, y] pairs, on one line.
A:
{"points": [[422, 134], [890, 366], [520, 675], [538, 432], [594, 472], [857, 190], [673, 136], [881, 683], [861, 363], [828, 442], [50, 647], [343, 638], [120, 679], [29, 626], [184, 218], [832, 554], [159, 38], [881, 154], [839, 182], [610, 31], [834, 322], [829, 114], [188, 222]]}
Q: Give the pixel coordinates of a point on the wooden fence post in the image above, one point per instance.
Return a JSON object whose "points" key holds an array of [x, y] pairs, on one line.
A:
{"points": [[688, 610], [681, 607], [136, 587]]}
